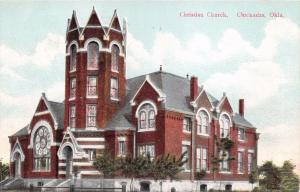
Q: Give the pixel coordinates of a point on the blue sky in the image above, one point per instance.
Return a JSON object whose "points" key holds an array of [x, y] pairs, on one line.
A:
{"points": [[252, 58]]}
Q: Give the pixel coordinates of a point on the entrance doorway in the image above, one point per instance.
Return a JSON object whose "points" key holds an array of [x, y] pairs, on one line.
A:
{"points": [[68, 153], [18, 165]]}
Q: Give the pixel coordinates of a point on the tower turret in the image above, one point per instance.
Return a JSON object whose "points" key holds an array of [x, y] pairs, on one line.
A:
{"points": [[95, 72]]}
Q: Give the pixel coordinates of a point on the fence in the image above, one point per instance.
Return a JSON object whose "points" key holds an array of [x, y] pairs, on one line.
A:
{"points": [[72, 188]]}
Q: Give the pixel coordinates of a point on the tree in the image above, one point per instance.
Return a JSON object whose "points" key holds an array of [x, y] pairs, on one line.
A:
{"points": [[221, 154], [105, 164], [253, 177], [289, 180], [199, 176], [270, 176], [4, 171], [132, 167], [167, 167]]}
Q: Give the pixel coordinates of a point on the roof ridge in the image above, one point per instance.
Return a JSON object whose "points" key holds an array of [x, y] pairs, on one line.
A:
{"points": [[162, 72]]}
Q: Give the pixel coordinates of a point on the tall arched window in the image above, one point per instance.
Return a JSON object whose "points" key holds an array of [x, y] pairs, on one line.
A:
{"points": [[146, 117], [224, 126], [42, 144], [73, 57], [143, 120], [203, 123], [115, 51], [93, 55]]}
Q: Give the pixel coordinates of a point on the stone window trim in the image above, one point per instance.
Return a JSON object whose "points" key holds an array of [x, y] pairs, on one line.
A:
{"points": [[225, 123], [72, 89], [242, 135], [91, 115], [93, 55], [187, 125], [73, 57], [72, 116], [115, 61], [91, 89], [146, 115], [202, 158], [203, 111], [146, 148], [42, 150]]}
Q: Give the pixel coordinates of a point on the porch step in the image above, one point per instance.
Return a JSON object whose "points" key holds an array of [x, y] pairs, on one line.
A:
{"points": [[15, 183], [5, 181]]}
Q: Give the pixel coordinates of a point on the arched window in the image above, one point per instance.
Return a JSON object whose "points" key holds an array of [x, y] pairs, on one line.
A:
{"points": [[93, 55], [151, 118], [147, 117], [73, 58], [224, 126], [203, 123], [42, 144], [142, 120], [115, 51]]}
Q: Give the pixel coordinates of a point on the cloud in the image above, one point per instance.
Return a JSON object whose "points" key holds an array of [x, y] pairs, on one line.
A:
{"points": [[252, 70], [255, 82], [44, 54], [285, 137]]}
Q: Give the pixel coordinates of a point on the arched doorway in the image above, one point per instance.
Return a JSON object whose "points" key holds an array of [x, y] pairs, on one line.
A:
{"points": [[68, 154], [18, 164]]}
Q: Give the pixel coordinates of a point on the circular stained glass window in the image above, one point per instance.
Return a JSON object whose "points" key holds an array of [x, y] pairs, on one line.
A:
{"points": [[42, 142]]}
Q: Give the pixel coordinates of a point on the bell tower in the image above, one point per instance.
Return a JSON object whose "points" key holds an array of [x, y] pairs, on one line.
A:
{"points": [[95, 76]]}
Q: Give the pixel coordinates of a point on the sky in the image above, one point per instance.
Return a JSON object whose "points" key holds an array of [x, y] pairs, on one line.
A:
{"points": [[252, 58]]}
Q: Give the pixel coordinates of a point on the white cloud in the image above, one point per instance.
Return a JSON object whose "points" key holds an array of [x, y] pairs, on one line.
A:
{"points": [[255, 81], [257, 75], [286, 139], [44, 54]]}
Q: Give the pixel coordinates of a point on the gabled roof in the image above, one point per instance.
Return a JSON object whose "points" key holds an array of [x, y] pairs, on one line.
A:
{"points": [[241, 121], [115, 23], [73, 24], [21, 132], [93, 21], [56, 111]]}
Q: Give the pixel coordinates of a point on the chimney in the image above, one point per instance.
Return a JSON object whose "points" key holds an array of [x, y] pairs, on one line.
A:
{"points": [[241, 107], [193, 88]]}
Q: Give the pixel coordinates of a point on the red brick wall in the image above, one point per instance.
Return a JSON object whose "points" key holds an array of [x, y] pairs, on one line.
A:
{"points": [[106, 108]]}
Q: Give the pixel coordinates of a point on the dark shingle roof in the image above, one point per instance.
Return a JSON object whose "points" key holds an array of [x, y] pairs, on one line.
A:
{"points": [[21, 132], [57, 110], [239, 120]]}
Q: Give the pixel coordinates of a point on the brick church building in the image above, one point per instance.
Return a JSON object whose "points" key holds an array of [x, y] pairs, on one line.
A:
{"points": [[155, 114]]}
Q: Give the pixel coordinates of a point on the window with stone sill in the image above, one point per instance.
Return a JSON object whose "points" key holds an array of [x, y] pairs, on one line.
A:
{"points": [[91, 86], [240, 162], [91, 115], [114, 88], [186, 152], [241, 134], [115, 58], [250, 162], [203, 124], [187, 124], [92, 55], [224, 126], [73, 58], [73, 88], [122, 149], [41, 149], [224, 164], [202, 159], [147, 149], [72, 116], [146, 117]]}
